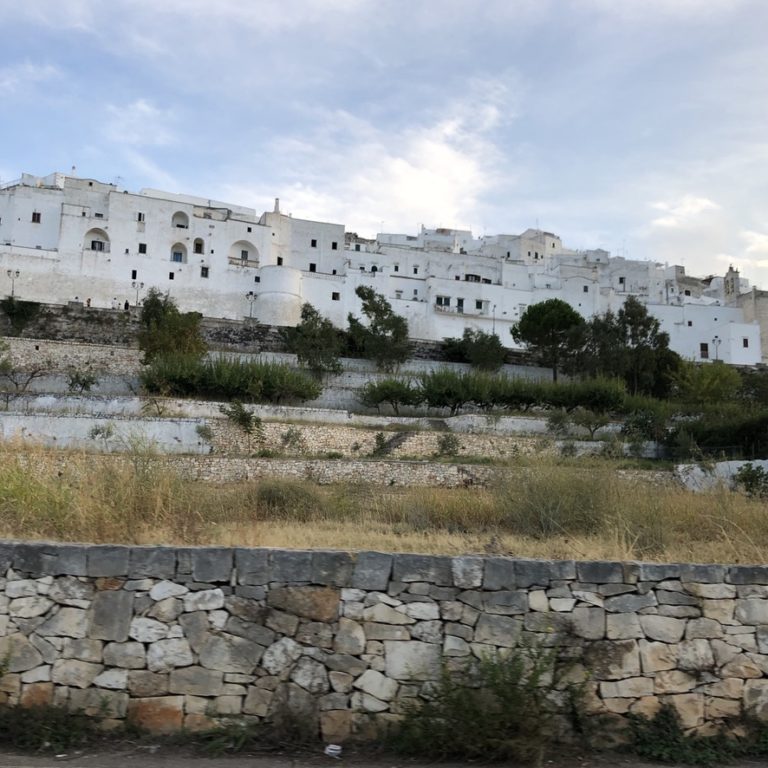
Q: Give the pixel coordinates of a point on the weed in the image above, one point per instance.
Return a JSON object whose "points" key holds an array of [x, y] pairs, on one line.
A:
{"points": [[204, 432], [448, 445], [293, 440], [753, 480], [379, 444], [47, 728]]}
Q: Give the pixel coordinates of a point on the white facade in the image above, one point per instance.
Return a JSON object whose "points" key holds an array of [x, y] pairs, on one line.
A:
{"points": [[70, 238]]}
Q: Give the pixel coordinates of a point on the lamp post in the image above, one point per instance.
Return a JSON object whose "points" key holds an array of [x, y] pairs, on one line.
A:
{"points": [[493, 325], [716, 344], [137, 286], [251, 296], [13, 274]]}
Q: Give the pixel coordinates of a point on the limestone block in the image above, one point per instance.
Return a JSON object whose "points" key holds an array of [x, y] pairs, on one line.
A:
{"points": [[710, 591], [719, 610], [655, 657], [588, 623], [591, 598], [540, 572], [83, 649], [155, 562], [317, 603], [74, 673], [385, 614], [506, 602], [204, 600], [600, 572], [376, 684], [623, 626], [756, 699], [252, 566], [538, 601], [752, 611], [167, 610], [165, 589], [290, 566], [105, 560], [730, 688], [469, 616], [257, 702], [314, 633], [342, 662], [647, 706], [147, 630], [716, 708], [459, 630], [21, 588], [98, 702], [503, 631], [703, 628], [742, 667], [372, 570], [129, 655], [412, 660], [114, 679], [364, 702], [165, 655], [21, 655], [421, 611], [340, 682], [467, 572], [375, 631], [280, 656], [617, 706], [36, 694], [163, 714], [196, 628], [350, 637], [430, 568], [332, 568], [310, 675], [196, 681], [662, 628], [612, 660], [349, 595], [336, 726], [562, 604], [549, 623], [334, 701], [748, 574], [455, 646], [629, 603], [143, 684], [632, 688], [29, 607], [695, 655], [674, 681], [68, 590], [228, 653], [690, 708], [37, 674], [110, 616]]}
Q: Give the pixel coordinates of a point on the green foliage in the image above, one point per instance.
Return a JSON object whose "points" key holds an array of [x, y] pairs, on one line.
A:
{"points": [[558, 422], [81, 380], [552, 330], [166, 331], [753, 481], [754, 387], [445, 388], [590, 420], [19, 313], [293, 440], [288, 497], [380, 445], [741, 435], [228, 378], [385, 338], [245, 420], [315, 341], [394, 392], [707, 383], [448, 444], [482, 350], [494, 708], [46, 729]]}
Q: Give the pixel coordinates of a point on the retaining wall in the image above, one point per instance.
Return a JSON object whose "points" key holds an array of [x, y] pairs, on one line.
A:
{"points": [[182, 637]]}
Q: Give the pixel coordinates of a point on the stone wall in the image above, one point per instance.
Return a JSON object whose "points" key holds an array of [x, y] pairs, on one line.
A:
{"points": [[171, 638]]}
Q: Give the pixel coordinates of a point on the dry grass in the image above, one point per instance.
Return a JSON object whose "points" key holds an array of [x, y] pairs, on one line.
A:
{"points": [[556, 510]]}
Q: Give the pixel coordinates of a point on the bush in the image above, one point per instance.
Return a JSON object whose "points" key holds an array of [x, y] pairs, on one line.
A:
{"points": [[494, 708], [753, 481], [448, 445], [445, 388], [481, 350], [744, 435], [394, 392]]}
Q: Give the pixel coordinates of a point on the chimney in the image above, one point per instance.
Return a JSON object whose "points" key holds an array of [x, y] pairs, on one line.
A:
{"points": [[277, 205]]}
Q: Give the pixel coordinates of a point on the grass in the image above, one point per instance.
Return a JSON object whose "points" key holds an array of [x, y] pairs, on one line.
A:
{"points": [[554, 509]]}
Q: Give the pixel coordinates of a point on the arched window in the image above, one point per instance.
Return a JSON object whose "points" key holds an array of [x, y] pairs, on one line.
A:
{"points": [[179, 253], [245, 253], [199, 245], [96, 240], [180, 220]]}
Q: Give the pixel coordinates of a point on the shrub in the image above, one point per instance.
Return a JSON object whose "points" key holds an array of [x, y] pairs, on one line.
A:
{"points": [[481, 350], [445, 388], [394, 392], [165, 330], [494, 708], [297, 500], [45, 728], [448, 445], [753, 481]]}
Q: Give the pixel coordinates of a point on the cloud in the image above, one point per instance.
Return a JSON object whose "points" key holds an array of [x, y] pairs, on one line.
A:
{"points": [[20, 77], [757, 242], [682, 212], [139, 123]]}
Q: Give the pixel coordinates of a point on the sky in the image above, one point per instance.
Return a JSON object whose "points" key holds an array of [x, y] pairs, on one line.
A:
{"points": [[639, 126]]}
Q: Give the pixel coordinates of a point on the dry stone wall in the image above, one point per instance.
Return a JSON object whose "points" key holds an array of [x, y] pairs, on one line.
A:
{"points": [[181, 638]]}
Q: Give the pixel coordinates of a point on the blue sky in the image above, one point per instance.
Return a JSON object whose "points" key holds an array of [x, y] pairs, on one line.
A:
{"points": [[640, 126]]}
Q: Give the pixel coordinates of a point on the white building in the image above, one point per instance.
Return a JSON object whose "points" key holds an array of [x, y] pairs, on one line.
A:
{"points": [[64, 238]]}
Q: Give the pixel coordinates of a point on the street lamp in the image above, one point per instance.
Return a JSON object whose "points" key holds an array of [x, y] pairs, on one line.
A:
{"points": [[251, 296], [137, 286], [13, 274], [716, 344], [494, 319]]}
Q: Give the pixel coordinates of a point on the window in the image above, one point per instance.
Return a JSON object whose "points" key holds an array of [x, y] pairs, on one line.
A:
{"points": [[36, 217], [486, 281], [458, 277], [250, 229], [133, 274], [139, 216], [357, 246], [335, 296], [508, 254], [279, 261], [198, 246], [415, 293], [257, 279], [98, 215], [244, 255], [177, 256], [396, 268], [704, 351], [203, 271], [334, 246], [312, 267], [97, 245], [622, 280], [333, 271], [443, 301], [459, 305], [314, 243], [398, 294], [478, 305], [690, 323], [171, 275], [142, 247], [745, 343], [586, 289], [374, 269], [471, 278], [415, 270], [687, 293]]}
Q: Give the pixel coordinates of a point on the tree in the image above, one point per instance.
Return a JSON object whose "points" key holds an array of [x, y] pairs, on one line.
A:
{"points": [[395, 392], [713, 383], [552, 330], [481, 350], [385, 338], [165, 330], [14, 382], [315, 342]]}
